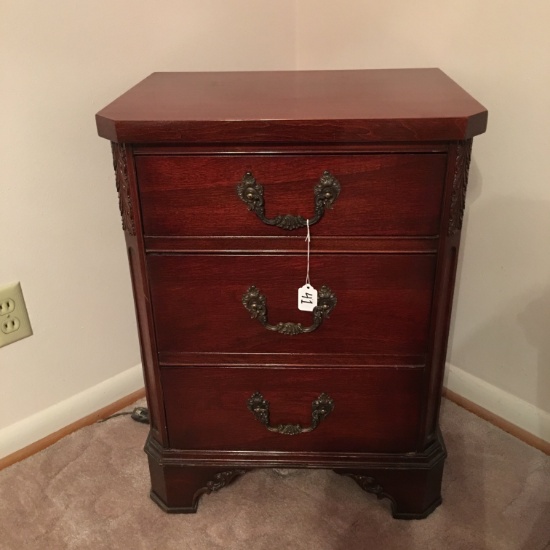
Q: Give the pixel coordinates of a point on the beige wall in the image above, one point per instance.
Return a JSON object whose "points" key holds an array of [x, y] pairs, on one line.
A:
{"points": [[63, 60], [500, 53]]}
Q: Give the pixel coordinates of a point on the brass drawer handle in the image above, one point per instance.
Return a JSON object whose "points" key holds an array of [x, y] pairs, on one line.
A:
{"points": [[255, 303], [320, 408], [324, 194]]}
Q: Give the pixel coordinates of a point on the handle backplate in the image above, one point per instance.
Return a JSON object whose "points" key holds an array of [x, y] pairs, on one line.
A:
{"points": [[255, 303], [324, 195], [320, 409]]}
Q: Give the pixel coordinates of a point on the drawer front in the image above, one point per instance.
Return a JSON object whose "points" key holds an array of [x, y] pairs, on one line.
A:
{"points": [[383, 303], [381, 194], [373, 409]]}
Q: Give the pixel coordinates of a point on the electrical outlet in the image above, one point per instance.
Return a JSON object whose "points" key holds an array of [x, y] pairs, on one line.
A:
{"points": [[14, 319]]}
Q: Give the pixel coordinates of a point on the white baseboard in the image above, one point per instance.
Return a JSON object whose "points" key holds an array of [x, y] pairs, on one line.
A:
{"points": [[44, 423], [505, 405]]}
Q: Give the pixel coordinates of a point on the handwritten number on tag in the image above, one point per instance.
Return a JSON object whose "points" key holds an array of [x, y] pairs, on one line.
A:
{"points": [[307, 298]]}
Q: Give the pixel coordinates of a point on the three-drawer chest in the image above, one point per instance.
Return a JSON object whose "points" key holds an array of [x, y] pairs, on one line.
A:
{"points": [[292, 240]]}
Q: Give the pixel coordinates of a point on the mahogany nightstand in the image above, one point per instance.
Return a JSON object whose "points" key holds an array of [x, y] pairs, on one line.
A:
{"points": [[218, 175]]}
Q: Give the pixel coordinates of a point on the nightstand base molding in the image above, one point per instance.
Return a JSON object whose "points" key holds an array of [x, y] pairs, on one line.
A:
{"points": [[412, 481]]}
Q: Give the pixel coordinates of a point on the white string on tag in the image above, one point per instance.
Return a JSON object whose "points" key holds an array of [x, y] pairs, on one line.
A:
{"points": [[307, 295], [308, 239]]}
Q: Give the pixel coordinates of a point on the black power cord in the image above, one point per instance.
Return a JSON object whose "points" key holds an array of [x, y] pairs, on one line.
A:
{"points": [[139, 414]]}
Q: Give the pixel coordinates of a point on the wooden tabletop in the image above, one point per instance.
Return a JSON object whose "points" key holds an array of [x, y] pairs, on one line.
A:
{"points": [[293, 107]]}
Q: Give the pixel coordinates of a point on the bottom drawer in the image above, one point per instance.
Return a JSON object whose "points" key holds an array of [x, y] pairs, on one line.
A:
{"points": [[374, 409]]}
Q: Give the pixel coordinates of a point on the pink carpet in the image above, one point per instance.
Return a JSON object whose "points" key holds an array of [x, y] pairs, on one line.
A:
{"points": [[90, 491]]}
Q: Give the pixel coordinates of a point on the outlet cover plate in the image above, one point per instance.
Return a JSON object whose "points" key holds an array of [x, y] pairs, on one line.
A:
{"points": [[14, 319]]}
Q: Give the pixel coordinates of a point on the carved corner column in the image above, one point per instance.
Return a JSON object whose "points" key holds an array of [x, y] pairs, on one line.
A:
{"points": [[120, 164], [128, 201], [450, 232], [460, 186]]}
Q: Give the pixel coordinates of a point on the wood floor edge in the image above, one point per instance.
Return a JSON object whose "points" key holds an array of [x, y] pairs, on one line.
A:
{"points": [[45, 442], [498, 421]]}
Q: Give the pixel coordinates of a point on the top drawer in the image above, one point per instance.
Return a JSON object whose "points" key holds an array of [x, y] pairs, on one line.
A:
{"points": [[380, 194]]}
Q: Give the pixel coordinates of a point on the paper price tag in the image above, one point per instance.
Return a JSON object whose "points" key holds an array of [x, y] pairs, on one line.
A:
{"points": [[307, 298]]}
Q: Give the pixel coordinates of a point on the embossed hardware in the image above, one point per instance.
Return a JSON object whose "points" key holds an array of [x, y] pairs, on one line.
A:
{"points": [[324, 194], [255, 303], [320, 408]]}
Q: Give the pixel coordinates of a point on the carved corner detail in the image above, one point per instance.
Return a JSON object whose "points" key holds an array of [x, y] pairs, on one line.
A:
{"points": [[123, 187], [219, 481], [370, 485], [460, 183]]}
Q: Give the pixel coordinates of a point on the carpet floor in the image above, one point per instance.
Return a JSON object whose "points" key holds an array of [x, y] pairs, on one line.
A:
{"points": [[90, 491]]}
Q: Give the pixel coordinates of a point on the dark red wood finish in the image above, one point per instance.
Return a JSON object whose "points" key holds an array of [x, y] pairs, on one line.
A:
{"points": [[135, 249], [293, 107], [384, 303], [375, 409], [292, 245], [196, 195], [398, 142]]}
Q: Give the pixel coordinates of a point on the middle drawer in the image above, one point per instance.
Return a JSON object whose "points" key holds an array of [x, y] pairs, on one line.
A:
{"points": [[383, 303]]}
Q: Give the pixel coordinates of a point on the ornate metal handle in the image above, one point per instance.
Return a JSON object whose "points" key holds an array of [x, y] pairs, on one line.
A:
{"points": [[320, 408], [255, 303], [324, 194]]}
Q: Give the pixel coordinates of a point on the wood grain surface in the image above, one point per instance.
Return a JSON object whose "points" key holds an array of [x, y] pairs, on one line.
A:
{"points": [[374, 409], [293, 107], [391, 194], [384, 303]]}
